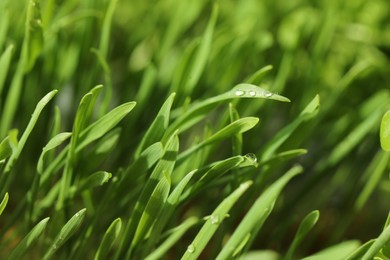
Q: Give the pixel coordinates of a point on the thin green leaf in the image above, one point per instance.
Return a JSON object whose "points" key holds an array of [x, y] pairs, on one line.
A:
{"points": [[304, 228], [152, 209], [283, 156], [68, 230], [385, 132], [379, 243], [260, 208], [176, 234], [158, 126], [5, 148], [258, 76], [104, 124], [109, 239], [94, 180], [240, 126], [336, 252], [213, 222], [359, 253], [5, 60], [4, 202], [21, 249], [53, 143]]}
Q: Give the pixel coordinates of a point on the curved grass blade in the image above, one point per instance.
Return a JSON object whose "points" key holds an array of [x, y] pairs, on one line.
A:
{"points": [[5, 148], [385, 132], [68, 230], [304, 228], [109, 238], [359, 253], [28, 240], [283, 156], [3, 203], [261, 207], [94, 180], [158, 126], [378, 244], [336, 252], [258, 75], [213, 222], [237, 127], [53, 143], [176, 234], [4, 180]]}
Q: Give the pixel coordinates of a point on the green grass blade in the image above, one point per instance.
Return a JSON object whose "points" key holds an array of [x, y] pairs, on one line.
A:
{"points": [[68, 230], [109, 239], [213, 222], [158, 126], [152, 210], [382, 240], [336, 252], [5, 60], [283, 156], [53, 143], [3, 203], [375, 172], [28, 240], [304, 228], [237, 127], [385, 132], [258, 76], [104, 124], [261, 207], [359, 253], [5, 149], [177, 233], [270, 148], [94, 180], [105, 36], [15, 154]]}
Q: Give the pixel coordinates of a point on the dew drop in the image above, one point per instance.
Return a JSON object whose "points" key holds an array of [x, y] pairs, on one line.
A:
{"points": [[191, 249], [239, 92], [77, 214], [268, 94], [214, 219], [252, 93], [251, 156]]}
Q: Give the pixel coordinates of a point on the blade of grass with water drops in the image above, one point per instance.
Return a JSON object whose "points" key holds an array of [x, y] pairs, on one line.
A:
{"points": [[109, 239], [304, 228], [250, 223], [198, 111], [385, 132], [156, 130], [237, 127], [212, 223], [68, 230], [21, 249], [3, 203], [174, 235], [5, 180]]}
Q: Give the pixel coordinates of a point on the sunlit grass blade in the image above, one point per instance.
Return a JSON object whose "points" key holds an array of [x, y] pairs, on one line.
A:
{"points": [[385, 132], [304, 228], [109, 239], [213, 222], [237, 127], [4, 181], [336, 252], [21, 249], [158, 126], [4, 202], [250, 223], [175, 235], [68, 230]]}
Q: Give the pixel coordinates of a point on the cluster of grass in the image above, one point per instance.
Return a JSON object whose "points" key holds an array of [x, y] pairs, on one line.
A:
{"points": [[193, 129]]}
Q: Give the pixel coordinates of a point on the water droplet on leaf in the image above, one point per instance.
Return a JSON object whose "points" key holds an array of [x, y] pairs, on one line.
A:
{"points": [[268, 94], [191, 248], [239, 92], [251, 156], [252, 93]]}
